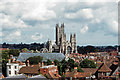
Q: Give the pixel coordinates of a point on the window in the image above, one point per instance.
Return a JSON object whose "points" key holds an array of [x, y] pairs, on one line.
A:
{"points": [[9, 72], [9, 66], [15, 67], [15, 72]]}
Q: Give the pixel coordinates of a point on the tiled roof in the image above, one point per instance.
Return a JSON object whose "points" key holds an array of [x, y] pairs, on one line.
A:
{"points": [[90, 70], [19, 62], [30, 70], [99, 64], [78, 74], [104, 68], [52, 56], [53, 75]]}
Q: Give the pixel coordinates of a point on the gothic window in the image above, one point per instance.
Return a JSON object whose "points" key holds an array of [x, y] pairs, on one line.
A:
{"points": [[69, 50]]}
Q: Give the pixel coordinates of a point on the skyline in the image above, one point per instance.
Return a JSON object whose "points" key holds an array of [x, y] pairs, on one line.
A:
{"points": [[94, 23]]}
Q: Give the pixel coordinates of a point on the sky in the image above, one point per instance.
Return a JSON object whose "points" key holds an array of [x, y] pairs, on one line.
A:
{"points": [[28, 21]]}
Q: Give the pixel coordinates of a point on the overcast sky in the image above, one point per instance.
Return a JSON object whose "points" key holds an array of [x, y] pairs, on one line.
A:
{"points": [[94, 23]]}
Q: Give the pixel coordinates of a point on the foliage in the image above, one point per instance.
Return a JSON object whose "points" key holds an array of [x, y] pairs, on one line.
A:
{"points": [[79, 69], [56, 62], [49, 62], [60, 69], [25, 49], [5, 57], [35, 59], [14, 52], [76, 65], [88, 64], [71, 63]]}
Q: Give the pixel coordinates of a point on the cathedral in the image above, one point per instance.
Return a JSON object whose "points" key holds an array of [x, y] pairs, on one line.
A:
{"points": [[61, 44]]}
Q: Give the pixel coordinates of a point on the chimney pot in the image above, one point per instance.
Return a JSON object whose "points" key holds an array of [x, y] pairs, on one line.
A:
{"points": [[9, 60]]}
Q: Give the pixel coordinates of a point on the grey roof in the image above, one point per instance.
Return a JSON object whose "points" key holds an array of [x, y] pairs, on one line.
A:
{"points": [[17, 77], [38, 77], [0, 74], [52, 56]]}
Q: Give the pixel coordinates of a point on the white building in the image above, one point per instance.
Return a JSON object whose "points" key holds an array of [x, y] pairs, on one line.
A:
{"points": [[14, 67]]}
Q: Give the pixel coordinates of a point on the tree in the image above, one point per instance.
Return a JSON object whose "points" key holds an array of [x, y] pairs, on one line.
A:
{"points": [[79, 69], [60, 69], [5, 57], [14, 52], [25, 50], [35, 59], [56, 62], [88, 64], [71, 63], [49, 62]]}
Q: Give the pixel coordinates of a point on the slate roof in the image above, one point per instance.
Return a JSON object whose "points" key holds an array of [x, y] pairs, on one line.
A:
{"points": [[52, 56], [37, 77], [17, 77], [0, 74]]}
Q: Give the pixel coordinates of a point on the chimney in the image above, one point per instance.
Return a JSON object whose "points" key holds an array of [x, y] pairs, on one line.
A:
{"points": [[42, 64], [52, 62], [9, 60], [63, 73], [39, 64], [13, 60], [11, 56], [28, 63], [75, 72]]}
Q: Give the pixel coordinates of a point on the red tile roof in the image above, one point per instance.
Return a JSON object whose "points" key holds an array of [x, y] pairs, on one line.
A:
{"points": [[104, 68], [78, 74]]}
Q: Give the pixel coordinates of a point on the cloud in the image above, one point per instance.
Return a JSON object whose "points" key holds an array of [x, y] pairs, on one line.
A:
{"points": [[84, 29], [37, 36], [83, 13], [96, 20], [9, 22], [14, 36]]}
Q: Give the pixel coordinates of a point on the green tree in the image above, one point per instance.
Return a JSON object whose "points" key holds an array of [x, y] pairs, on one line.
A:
{"points": [[56, 62], [88, 64], [5, 57], [60, 69], [14, 52], [71, 63], [79, 69], [25, 49], [49, 62], [35, 59]]}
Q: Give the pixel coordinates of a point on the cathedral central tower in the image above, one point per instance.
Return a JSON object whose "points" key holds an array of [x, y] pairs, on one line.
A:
{"points": [[66, 47]]}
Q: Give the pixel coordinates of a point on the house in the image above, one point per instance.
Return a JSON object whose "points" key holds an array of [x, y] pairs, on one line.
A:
{"points": [[90, 70], [13, 67], [50, 71], [77, 75], [1, 76], [104, 71]]}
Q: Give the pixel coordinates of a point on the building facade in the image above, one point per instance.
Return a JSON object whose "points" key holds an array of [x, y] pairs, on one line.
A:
{"points": [[61, 44], [14, 67]]}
